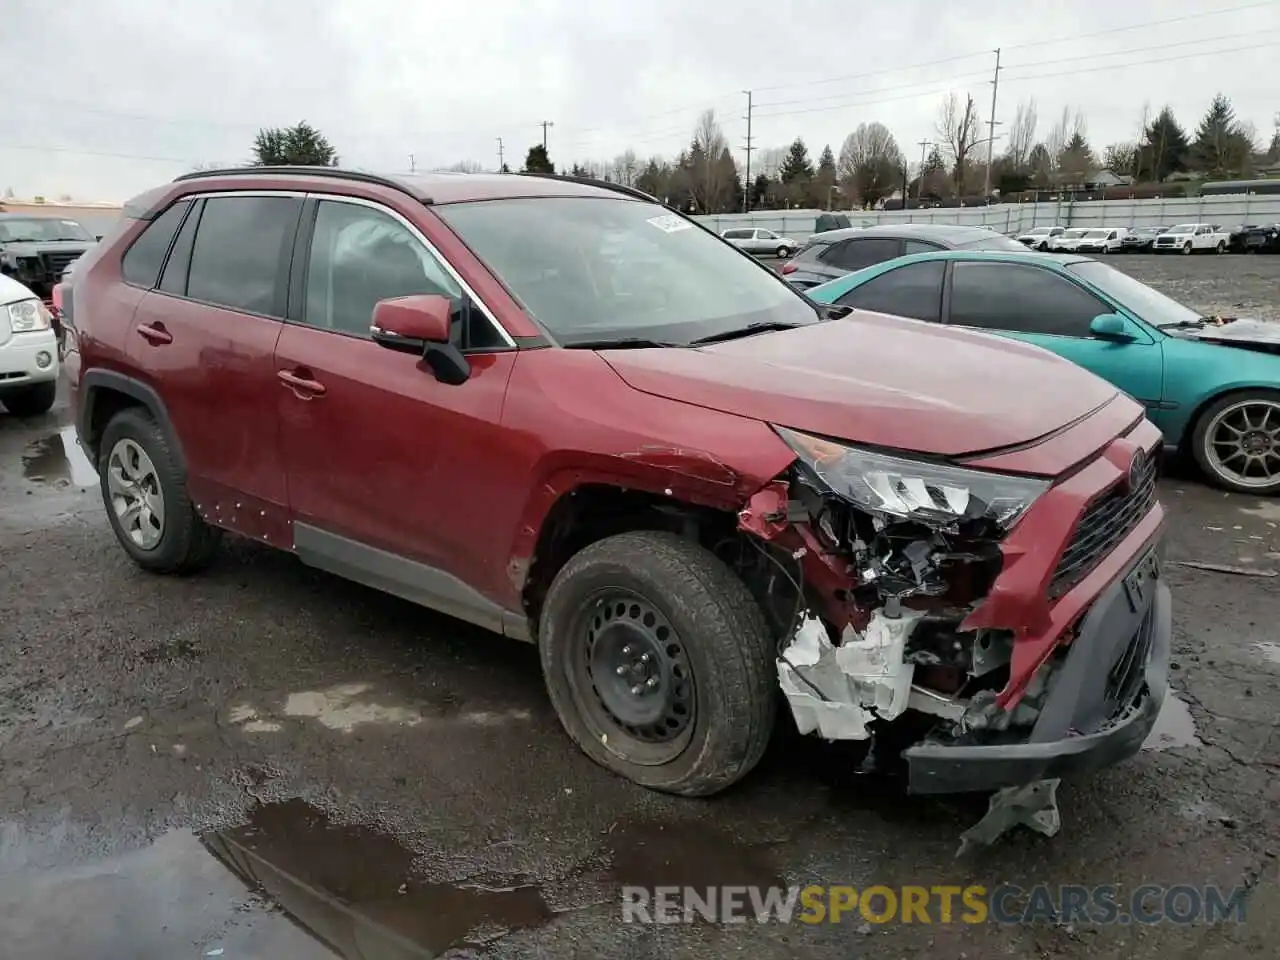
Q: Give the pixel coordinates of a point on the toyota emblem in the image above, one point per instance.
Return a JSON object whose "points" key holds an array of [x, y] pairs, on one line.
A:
{"points": [[1137, 468]]}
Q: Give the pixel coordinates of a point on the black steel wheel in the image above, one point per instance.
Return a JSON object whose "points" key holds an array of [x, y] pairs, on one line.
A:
{"points": [[659, 663]]}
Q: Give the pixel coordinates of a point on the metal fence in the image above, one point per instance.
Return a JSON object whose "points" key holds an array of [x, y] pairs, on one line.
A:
{"points": [[1228, 211]]}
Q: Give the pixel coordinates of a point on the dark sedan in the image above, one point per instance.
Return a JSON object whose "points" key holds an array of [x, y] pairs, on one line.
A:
{"points": [[1140, 239], [837, 252]]}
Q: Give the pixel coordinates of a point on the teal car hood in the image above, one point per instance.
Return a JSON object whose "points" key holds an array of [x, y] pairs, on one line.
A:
{"points": [[1258, 335]]}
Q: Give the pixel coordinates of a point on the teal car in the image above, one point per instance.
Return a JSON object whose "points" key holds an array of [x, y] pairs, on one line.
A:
{"points": [[1211, 386]]}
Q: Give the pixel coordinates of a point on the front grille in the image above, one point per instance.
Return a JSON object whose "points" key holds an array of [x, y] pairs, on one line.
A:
{"points": [[1166, 242], [55, 263], [1128, 674], [1105, 522]]}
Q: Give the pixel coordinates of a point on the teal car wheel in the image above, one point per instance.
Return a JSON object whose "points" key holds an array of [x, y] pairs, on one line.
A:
{"points": [[1237, 441]]}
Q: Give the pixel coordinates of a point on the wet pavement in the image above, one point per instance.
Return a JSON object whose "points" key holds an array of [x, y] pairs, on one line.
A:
{"points": [[264, 761]]}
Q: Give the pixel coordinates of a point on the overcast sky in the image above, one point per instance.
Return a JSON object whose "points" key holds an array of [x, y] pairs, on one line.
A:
{"points": [[105, 98]]}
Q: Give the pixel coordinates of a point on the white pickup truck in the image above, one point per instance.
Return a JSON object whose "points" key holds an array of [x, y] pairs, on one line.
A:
{"points": [[1192, 238]]}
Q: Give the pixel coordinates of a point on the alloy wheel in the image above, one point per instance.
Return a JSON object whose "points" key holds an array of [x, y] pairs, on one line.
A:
{"points": [[1242, 443], [136, 497]]}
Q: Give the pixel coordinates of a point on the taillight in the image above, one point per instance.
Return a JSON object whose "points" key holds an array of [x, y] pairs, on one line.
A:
{"points": [[788, 268]]}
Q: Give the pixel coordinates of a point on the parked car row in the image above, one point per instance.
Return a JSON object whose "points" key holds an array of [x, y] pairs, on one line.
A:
{"points": [[600, 428]]}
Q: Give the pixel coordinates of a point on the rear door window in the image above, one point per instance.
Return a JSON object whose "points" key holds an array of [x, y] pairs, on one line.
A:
{"points": [[858, 253], [912, 291], [239, 258], [142, 261]]}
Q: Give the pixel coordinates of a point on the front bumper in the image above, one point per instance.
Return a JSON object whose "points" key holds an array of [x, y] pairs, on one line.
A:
{"points": [[20, 357], [1115, 633]]}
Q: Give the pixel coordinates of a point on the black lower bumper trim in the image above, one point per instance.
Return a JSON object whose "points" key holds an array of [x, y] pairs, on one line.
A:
{"points": [[942, 768]]}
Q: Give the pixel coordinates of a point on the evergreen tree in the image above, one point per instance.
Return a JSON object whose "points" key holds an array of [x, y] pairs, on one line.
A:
{"points": [[1164, 148], [300, 145], [537, 161]]}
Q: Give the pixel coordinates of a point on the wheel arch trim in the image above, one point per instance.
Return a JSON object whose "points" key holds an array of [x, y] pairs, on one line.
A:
{"points": [[96, 382]]}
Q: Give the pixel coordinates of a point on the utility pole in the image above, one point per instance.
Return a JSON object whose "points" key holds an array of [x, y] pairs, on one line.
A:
{"points": [[991, 127], [413, 166], [746, 182], [545, 124], [924, 145], [501, 162]]}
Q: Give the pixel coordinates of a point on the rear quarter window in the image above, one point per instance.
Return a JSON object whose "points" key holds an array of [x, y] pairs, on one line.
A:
{"points": [[145, 256]]}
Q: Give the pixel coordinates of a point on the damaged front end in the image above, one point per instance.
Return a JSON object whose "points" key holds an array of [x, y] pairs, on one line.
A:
{"points": [[891, 561]]}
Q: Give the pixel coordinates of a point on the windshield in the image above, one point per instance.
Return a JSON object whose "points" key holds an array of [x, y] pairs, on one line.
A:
{"points": [[41, 230], [1183, 228], [1097, 234], [1151, 305], [1037, 232], [592, 269], [994, 242], [1074, 234]]}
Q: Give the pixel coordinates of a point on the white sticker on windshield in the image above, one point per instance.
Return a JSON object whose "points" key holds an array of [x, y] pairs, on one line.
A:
{"points": [[670, 223], [70, 223]]}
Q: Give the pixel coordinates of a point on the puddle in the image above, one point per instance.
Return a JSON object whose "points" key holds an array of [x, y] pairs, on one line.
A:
{"points": [[1175, 727], [1269, 651], [250, 892], [354, 888], [58, 457], [170, 899]]}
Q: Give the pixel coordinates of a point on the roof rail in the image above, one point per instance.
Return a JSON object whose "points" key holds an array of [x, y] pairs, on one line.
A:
{"points": [[299, 170], [602, 184]]}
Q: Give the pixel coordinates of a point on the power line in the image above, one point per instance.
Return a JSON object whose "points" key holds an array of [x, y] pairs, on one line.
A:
{"points": [[991, 126], [1142, 26], [1089, 57], [1142, 63]]}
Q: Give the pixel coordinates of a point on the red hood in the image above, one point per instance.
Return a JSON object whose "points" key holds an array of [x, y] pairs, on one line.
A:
{"points": [[878, 380]]}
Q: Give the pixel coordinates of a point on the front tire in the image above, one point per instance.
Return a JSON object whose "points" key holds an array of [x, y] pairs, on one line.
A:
{"points": [[659, 664], [146, 498], [783, 252], [1187, 248], [1236, 442], [32, 401]]}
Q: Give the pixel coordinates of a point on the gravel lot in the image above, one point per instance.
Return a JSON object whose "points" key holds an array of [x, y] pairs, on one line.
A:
{"points": [[181, 757]]}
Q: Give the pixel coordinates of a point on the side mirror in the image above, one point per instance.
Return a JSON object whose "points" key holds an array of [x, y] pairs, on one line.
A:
{"points": [[421, 324], [1112, 326]]}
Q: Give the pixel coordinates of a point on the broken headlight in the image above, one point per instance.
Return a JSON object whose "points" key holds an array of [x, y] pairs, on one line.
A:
{"points": [[935, 494]]}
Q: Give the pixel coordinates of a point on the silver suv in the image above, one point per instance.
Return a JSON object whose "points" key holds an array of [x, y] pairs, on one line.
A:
{"points": [[761, 242]]}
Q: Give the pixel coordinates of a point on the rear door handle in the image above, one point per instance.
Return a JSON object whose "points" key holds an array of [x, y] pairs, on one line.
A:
{"points": [[155, 333], [303, 386]]}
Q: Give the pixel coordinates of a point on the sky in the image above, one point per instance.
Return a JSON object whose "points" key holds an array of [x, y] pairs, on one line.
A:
{"points": [[106, 98]]}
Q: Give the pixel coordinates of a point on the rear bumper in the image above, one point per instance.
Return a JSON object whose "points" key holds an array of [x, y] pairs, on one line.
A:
{"points": [[1115, 632]]}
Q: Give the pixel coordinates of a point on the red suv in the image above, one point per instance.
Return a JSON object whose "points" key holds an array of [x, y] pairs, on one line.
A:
{"points": [[563, 411]]}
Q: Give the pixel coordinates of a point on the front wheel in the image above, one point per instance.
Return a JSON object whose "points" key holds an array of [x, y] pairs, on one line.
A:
{"points": [[1186, 248], [659, 664], [783, 252], [1236, 441]]}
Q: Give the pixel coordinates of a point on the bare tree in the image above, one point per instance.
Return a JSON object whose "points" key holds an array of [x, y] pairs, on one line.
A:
{"points": [[870, 164], [462, 166], [1022, 134], [769, 160], [1121, 158], [1070, 126], [625, 168], [710, 178], [958, 129]]}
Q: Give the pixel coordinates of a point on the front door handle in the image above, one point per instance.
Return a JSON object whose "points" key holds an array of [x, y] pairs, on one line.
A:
{"points": [[155, 333], [302, 385]]}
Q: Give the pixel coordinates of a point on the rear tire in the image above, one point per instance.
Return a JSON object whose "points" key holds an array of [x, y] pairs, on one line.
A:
{"points": [[1222, 246], [694, 717], [31, 401], [134, 486]]}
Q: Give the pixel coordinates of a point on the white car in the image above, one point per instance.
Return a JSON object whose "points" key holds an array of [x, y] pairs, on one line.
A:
{"points": [[1038, 238], [1102, 240], [28, 351], [1193, 238], [761, 242], [1068, 240]]}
